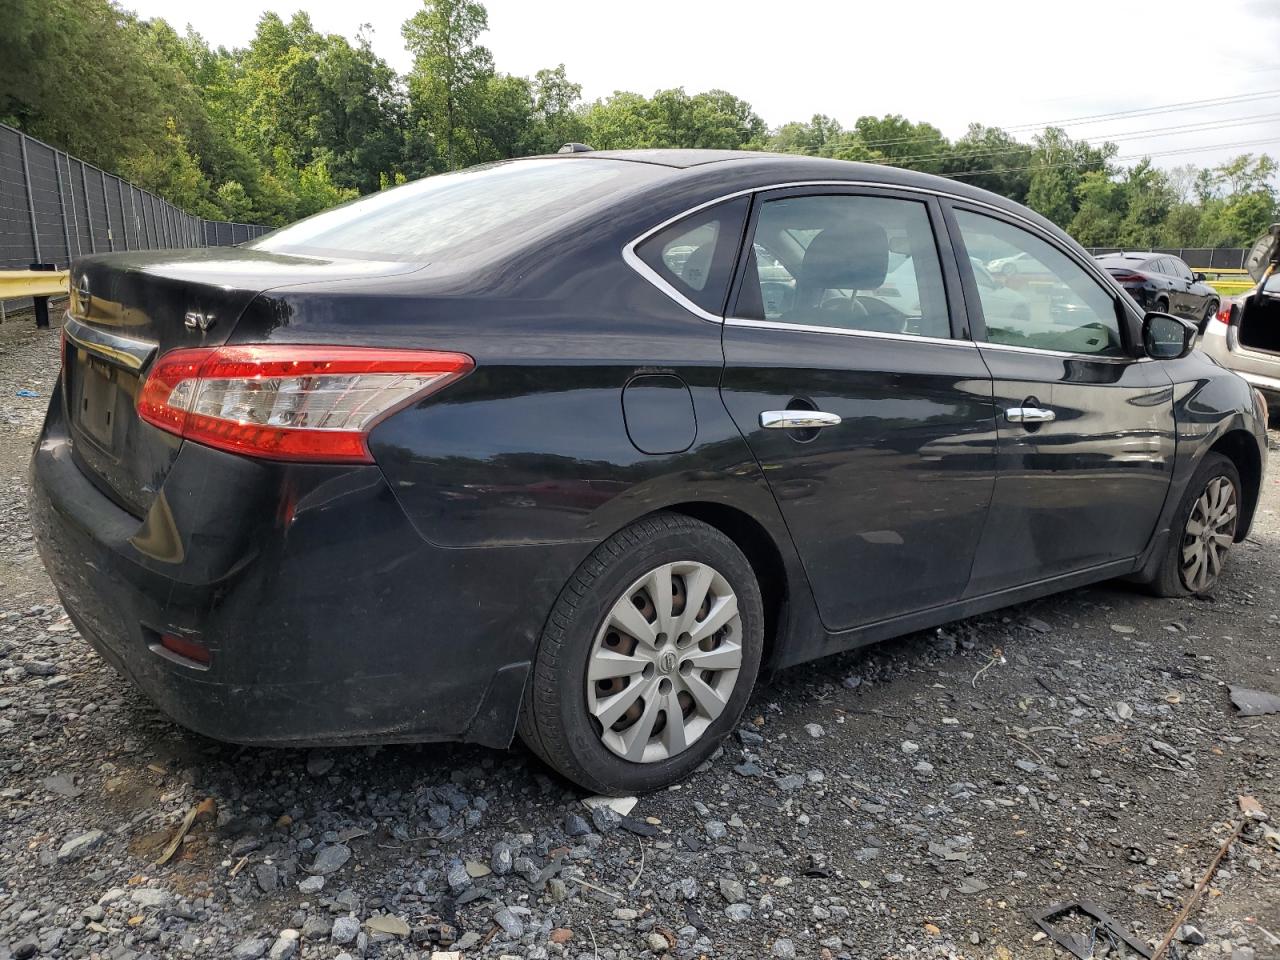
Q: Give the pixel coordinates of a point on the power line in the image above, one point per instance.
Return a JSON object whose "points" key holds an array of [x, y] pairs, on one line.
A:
{"points": [[1097, 118], [1149, 111], [1136, 156], [1205, 126]]}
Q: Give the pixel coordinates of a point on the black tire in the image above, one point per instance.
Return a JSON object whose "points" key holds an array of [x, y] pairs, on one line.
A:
{"points": [[554, 719], [1169, 580], [1162, 305], [1209, 312]]}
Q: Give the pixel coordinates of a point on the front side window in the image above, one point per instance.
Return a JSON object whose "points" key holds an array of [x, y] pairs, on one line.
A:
{"points": [[847, 262], [695, 256], [1049, 302]]}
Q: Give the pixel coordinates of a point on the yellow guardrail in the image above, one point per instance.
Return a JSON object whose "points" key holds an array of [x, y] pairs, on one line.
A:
{"points": [[33, 283]]}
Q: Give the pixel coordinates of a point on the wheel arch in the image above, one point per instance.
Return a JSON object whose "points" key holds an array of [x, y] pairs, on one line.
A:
{"points": [[761, 551], [1240, 447]]}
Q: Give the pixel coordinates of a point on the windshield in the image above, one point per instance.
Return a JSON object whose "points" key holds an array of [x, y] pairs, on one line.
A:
{"points": [[454, 215]]}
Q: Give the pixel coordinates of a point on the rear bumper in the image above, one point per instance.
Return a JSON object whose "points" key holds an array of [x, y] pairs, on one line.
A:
{"points": [[328, 618]]}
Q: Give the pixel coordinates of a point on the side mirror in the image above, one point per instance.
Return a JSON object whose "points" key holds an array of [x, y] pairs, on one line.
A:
{"points": [[1166, 337], [1198, 277]]}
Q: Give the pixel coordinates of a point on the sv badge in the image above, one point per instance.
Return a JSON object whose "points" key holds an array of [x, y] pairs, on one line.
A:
{"points": [[195, 320]]}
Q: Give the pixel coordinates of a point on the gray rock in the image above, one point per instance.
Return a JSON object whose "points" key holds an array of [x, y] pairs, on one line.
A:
{"points": [[716, 829], [784, 949], [575, 826], [267, 877], [815, 730], [457, 877], [345, 930], [283, 948], [738, 911], [62, 785], [605, 819], [501, 859], [249, 949], [316, 928], [150, 897], [331, 859], [1027, 766], [77, 847], [312, 884], [732, 891], [657, 942], [25, 949], [1189, 934], [511, 925], [909, 747]]}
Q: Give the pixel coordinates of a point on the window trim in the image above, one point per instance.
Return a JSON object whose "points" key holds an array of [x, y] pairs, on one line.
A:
{"points": [[739, 221], [1128, 326], [642, 268], [956, 317], [954, 258]]}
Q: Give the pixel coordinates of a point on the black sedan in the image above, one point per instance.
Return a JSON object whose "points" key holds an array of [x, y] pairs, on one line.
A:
{"points": [[579, 446], [1163, 283]]}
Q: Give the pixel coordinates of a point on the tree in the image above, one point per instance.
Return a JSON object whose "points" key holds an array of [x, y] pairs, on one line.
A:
{"points": [[450, 72]]}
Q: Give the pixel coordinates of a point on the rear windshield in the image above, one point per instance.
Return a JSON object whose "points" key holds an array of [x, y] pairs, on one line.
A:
{"points": [[1120, 263], [454, 215]]}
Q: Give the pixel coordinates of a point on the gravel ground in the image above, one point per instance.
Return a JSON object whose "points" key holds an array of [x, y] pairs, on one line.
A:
{"points": [[912, 800]]}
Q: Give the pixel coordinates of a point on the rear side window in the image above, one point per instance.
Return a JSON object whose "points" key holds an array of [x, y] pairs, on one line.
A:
{"points": [[846, 262], [695, 256], [455, 215]]}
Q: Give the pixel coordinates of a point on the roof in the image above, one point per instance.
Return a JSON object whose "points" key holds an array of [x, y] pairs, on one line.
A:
{"points": [[678, 158]]}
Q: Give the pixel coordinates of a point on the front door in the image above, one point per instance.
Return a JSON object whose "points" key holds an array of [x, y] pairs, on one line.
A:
{"points": [[869, 412], [1086, 431]]}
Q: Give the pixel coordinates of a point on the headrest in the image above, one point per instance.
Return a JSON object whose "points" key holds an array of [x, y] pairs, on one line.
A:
{"points": [[850, 256]]}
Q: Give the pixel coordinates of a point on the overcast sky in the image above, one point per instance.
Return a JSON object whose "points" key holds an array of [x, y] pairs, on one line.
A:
{"points": [[1001, 62]]}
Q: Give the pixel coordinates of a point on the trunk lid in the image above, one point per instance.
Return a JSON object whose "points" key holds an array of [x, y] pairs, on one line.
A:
{"points": [[125, 310]]}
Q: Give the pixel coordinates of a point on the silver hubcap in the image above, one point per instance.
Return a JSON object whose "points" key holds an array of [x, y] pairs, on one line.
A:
{"points": [[1211, 528], [665, 661]]}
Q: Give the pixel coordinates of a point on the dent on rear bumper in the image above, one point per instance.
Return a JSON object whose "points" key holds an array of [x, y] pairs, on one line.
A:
{"points": [[328, 618]]}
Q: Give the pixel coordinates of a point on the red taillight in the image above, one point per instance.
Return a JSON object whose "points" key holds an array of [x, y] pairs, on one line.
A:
{"points": [[1224, 314], [290, 402], [1129, 278], [186, 648]]}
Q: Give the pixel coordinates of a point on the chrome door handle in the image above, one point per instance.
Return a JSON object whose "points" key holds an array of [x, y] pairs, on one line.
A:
{"points": [[1029, 415], [797, 419]]}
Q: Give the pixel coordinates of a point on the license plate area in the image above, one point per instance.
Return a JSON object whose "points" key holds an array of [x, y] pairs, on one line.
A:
{"points": [[100, 396]]}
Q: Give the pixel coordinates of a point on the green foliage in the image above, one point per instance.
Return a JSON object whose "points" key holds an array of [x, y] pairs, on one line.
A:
{"points": [[300, 120]]}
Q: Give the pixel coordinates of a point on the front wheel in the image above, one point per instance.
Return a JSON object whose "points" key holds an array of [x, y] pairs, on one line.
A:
{"points": [[647, 659], [1206, 523]]}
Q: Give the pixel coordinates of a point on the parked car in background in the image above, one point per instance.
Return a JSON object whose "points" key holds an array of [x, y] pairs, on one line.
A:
{"points": [[1244, 336], [578, 445], [1164, 284]]}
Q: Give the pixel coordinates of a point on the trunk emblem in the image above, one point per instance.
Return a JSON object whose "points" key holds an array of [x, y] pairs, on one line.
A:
{"points": [[195, 320]]}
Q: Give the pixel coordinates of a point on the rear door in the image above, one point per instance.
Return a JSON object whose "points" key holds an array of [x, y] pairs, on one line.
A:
{"points": [[848, 370], [1086, 432]]}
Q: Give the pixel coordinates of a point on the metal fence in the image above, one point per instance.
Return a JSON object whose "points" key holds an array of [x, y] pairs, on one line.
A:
{"points": [[1206, 258], [54, 207]]}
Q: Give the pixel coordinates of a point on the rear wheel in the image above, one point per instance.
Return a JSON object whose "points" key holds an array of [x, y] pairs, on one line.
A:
{"points": [[1162, 305], [1206, 523], [1209, 312], [647, 659]]}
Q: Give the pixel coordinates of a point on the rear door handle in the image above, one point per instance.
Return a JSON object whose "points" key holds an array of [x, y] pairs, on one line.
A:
{"points": [[1029, 415], [797, 419]]}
